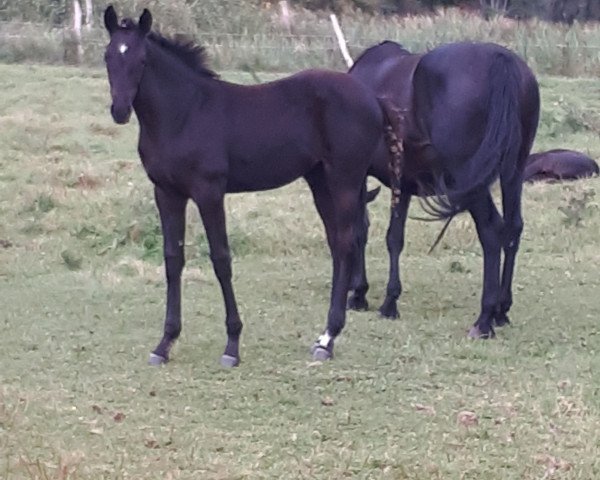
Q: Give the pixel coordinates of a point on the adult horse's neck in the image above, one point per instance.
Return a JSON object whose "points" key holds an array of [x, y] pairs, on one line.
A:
{"points": [[167, 90]]}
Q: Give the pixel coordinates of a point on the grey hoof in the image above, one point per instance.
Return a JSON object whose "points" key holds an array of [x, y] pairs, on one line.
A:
{"points": [[156, 360], [476, 333], [321, 354], [228, 361]]}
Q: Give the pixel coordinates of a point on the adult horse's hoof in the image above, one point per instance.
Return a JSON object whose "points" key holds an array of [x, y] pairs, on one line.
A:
{"points": [[501, 319], [389, 310], [156, 360], [321, 354], [357, 304], [229, 361], [477, 333]]}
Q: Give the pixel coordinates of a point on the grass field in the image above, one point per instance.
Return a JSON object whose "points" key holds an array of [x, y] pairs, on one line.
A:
{"points": [[82, 298]]}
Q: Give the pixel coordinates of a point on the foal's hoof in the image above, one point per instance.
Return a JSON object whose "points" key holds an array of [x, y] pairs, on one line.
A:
{"points": [[358, 304], [156, 360], [321, 354], [477, 333], [229, 361]]}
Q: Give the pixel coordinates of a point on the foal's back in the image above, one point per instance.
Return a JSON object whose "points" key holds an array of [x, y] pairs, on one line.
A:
{"points": [[285, 128]]}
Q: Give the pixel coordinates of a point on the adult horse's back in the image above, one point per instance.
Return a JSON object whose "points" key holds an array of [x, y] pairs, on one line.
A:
{"points": [[201, 137], [467, 114]]}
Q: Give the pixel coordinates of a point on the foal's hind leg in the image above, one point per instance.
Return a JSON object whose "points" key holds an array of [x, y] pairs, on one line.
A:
{"points": [[210, 204], [513, 226], [339, 225], [489, 228], [346, 205], [323, 202], [171, 208]]}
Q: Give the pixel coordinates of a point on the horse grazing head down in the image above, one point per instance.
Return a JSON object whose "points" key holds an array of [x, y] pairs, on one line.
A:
{"points": [[559, 164], [125, 57]]}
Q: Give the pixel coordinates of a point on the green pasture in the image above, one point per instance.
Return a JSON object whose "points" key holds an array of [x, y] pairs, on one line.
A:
{"points": [[82, 299]]}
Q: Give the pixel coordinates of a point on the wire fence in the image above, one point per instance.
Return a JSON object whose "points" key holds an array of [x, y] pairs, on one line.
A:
{"points": [[216, 39], [569, 54]]}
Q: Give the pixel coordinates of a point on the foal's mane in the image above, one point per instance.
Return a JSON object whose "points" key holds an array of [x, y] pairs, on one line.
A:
{"points": [[193, 55]]}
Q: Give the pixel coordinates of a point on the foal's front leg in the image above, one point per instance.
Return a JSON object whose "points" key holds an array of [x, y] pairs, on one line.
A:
{"points": [[213, 216], [171, 208]]}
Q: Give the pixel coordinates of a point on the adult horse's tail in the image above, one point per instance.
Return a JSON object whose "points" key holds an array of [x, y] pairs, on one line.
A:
{"points": [[498, 152]]}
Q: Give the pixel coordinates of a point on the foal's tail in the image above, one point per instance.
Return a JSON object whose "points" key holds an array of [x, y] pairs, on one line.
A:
{"points": [[499, 150]]}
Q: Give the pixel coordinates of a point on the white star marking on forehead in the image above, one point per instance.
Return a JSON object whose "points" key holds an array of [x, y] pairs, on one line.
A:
{"points": [[123, 48]]}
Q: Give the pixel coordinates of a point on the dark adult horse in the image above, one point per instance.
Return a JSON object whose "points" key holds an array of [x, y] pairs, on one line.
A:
{"points": [[201, 137], [559, 164], [467, 113]]}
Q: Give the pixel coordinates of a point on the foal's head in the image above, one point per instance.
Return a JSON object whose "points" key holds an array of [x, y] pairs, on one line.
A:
{"points": [[125, 57]]}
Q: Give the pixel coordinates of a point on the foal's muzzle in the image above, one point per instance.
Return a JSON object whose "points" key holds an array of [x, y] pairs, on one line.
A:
{"points": [[121, 114]]}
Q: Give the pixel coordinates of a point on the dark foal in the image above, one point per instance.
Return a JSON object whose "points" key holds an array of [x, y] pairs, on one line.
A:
{"points": [[467, 114], [201, 137], [559, 164]]}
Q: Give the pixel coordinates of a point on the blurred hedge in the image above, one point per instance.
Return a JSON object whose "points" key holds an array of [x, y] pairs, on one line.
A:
{"points": [[210, 14]]}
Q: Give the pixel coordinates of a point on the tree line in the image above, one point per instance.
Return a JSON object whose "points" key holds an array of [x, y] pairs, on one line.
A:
{"points": [[564, 11]]}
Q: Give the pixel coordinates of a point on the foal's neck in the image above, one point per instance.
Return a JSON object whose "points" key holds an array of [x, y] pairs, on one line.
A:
{"points": [[167, 91]]}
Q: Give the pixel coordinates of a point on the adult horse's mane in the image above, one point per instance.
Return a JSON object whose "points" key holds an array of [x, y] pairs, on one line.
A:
{"points": [[387, 47], [190, 53]]}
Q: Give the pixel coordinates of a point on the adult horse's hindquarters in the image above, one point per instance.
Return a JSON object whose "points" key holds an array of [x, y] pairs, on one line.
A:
{"points": [[467, 114]]}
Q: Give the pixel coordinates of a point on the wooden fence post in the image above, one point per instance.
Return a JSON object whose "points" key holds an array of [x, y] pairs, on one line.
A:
{"points": [[73, 53], [89, 15], [341, 40]]}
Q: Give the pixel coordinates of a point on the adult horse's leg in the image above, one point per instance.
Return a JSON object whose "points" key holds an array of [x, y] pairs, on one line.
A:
{"points": [[513, 226], [489, 226], [359, 284], [171, 208], [212, 211], [395, 243]]}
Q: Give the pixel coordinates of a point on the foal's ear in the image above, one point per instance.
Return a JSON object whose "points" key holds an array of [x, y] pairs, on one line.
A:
{"points": [[110, 19], [145, 22]]}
